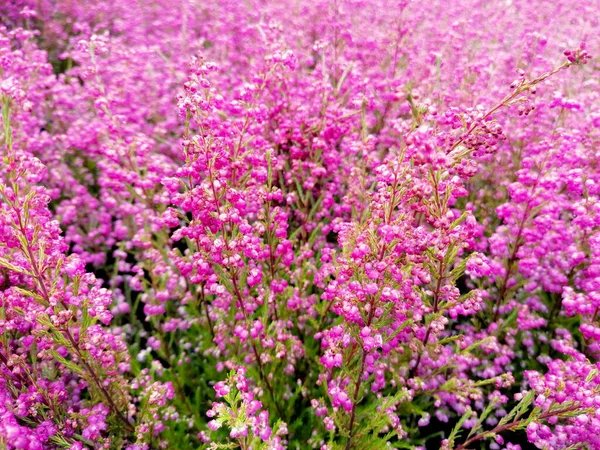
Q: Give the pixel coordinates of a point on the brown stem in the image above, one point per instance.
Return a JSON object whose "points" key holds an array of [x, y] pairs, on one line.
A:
{"points": [[204, 303], [513, 257], [97, 381], [243, 307], [271, 255], [39, 278], [359, 378], [436, 298], [323, 316], [509, 266], [509, 97], [253, 344], [512, 425]]}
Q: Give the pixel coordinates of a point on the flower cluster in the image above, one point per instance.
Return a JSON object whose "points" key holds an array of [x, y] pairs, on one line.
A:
{"points": [[242, 413], [333, 224]]}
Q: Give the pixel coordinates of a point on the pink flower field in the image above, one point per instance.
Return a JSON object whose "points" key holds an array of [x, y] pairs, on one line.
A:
{"points": [[300, 224]]}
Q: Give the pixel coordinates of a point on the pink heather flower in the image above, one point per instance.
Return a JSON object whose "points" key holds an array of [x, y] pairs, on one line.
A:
{"points": [[221, 388], [344, 204]]}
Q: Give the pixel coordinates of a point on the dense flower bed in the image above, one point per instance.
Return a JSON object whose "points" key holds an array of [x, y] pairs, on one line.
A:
{"points": [[329, 224]]}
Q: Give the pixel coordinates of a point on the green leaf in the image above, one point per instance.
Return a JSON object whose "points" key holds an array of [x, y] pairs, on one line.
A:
{"points": [[9, 266], [459, 270], [457, 428], [69, 364], [86, 320], [476, 344], [486, 412], [37, 297], [519, 409]]}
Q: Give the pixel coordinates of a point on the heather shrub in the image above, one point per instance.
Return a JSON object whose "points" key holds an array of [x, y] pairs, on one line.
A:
{"points": [[335, 224]]}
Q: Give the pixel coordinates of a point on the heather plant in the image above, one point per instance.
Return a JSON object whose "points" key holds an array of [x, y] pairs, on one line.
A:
{"points": [[332, 224]]}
